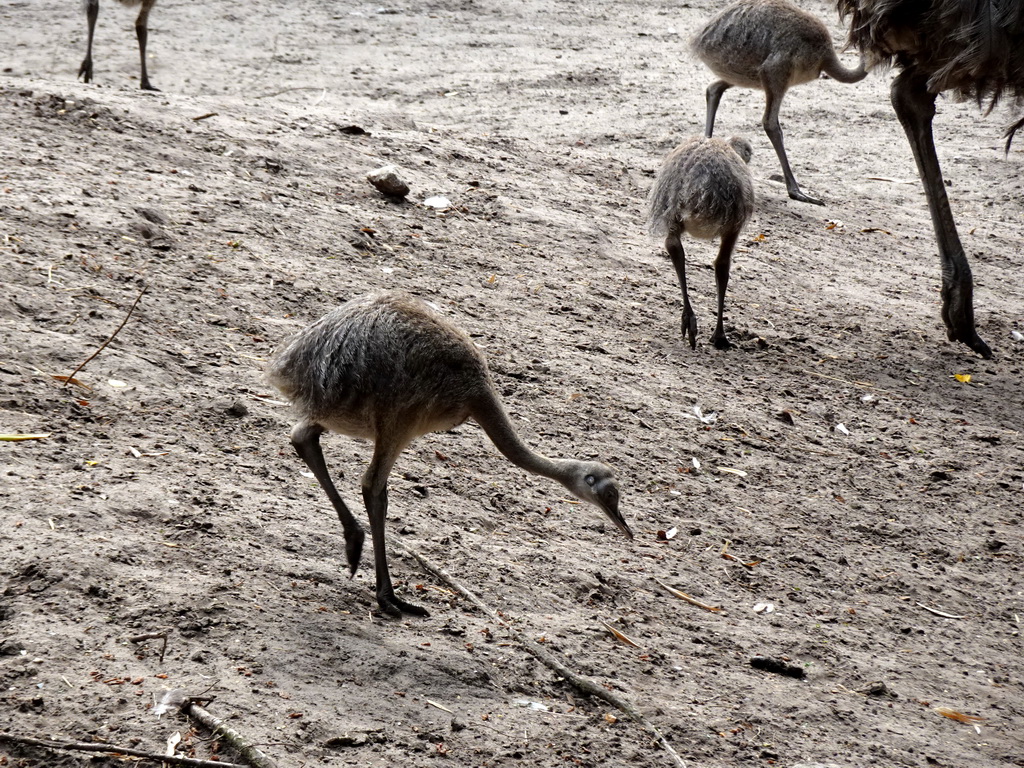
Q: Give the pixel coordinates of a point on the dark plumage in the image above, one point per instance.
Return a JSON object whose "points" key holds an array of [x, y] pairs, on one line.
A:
{"points": [[92, 12], [387, 368], [974, 48], [704, 189]]}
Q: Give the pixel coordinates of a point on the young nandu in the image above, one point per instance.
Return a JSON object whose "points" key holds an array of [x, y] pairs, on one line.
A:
{"points": [[705, 190], [92, 12], [771, 45], [387, 368]]}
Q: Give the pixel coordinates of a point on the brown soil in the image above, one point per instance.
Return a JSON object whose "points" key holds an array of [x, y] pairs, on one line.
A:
{"points": [[856, 482]]}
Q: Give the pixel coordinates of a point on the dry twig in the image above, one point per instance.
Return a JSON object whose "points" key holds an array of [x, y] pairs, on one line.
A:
{"points": [[239, 743], [937, 612], [159, 635], [77, 746], [110, 339], [686, 598], [582, 684]]}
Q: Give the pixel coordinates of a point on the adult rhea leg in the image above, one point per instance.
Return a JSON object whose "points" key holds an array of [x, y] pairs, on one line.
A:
{"points": [[674, 246], [306, 441], [915, 108], [722, 266]]}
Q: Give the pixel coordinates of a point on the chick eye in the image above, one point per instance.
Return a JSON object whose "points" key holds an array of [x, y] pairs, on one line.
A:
{"points": [[590, 479]]}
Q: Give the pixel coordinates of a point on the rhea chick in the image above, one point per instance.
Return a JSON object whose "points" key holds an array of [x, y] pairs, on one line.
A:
{"points": [[92, 12], [386, 367], [705, 190], [771, 45]]}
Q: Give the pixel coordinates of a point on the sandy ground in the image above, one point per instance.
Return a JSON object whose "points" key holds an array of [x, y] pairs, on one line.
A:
{"points": [[858, 487]]}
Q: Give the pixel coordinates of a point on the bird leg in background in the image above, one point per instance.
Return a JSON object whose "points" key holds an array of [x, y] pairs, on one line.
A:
{"points": [[915, 108], [92, 11], [713, 95], [306, 441], [142, 33], [674, 246], [775, 84], [722, 266]]}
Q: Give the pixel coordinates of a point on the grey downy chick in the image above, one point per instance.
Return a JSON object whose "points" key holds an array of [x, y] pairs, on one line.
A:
{"points": [[704, 189], [387, 368], [770, 45]]}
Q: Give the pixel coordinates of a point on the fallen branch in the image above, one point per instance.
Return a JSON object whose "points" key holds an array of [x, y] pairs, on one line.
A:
{"points": [[288, 90], [110, 339], [686, 598], [77, 746], [160, 635], [582, 684], [239, 743], [937, 612]]}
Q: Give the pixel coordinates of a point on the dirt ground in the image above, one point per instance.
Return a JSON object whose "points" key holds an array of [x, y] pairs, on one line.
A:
{"points": [[850, 500]]}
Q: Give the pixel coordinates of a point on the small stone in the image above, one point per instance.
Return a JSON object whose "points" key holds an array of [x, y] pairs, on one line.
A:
{"points": [[153, 215], [438, 201], [237, 409], [388, 181], [353, 739], [878, 688]]}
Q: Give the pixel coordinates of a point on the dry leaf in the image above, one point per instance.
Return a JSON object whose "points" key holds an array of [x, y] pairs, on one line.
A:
{"points": [[19, 438], [963, 378], [70, 380], [610, 718], [960, 717], [172, 742], [619, 636]]}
